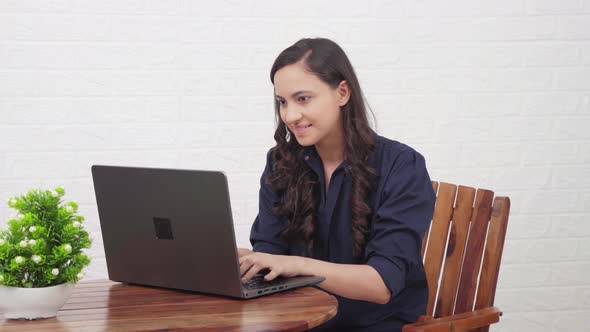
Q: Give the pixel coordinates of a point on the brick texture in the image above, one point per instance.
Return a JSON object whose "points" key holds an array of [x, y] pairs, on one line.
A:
{"points": [[494, 94]]}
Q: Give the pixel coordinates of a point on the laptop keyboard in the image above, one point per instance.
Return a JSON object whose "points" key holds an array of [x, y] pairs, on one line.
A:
{"points": [[258, 282]]}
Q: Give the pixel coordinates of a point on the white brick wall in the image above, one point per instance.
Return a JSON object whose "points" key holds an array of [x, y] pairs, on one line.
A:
{"points": [[495, 94]]}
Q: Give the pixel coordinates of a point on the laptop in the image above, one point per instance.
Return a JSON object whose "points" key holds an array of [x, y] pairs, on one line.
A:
{"points": [[173, 228]]}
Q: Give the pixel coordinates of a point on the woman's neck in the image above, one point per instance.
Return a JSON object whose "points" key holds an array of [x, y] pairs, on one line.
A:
{"points": [[331, 151]]}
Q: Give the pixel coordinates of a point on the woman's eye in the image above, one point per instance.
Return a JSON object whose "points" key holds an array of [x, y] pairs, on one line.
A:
{"points": [[303, 99], [281, 102]]}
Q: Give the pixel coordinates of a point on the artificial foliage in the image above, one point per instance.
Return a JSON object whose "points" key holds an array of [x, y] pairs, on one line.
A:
{"points": [[43, 245]]}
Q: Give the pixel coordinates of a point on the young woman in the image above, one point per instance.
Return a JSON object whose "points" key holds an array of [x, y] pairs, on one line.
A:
{"points": [[337, 200]]}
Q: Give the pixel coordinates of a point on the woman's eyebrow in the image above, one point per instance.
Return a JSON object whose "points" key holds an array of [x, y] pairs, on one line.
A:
{"points": [[295, 94]]}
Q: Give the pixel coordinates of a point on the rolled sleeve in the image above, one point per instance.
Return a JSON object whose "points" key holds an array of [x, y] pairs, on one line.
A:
{"points": [[400, 221], [265, 235]]}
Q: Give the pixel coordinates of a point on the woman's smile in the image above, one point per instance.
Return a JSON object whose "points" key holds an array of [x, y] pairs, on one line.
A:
{"points": [[301, 130]]}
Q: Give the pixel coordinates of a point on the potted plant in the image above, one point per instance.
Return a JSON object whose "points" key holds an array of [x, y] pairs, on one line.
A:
{"points": [[41, 254]]}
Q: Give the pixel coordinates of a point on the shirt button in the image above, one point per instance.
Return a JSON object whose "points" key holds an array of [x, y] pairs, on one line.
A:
{"points": [[306, 157]]}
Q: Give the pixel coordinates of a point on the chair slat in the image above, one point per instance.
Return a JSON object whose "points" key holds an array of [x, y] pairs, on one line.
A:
{"points": [[436, 245], [473, 251], [492, 256], [425, 240], [493, 253], [435, 186], [455, 250]]}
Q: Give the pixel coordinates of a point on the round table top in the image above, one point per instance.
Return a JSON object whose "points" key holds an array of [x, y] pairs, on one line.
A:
{"points": [[111, 306]]}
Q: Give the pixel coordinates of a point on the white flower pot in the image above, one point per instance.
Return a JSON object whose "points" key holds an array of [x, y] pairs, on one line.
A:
{"points": [[33, 303]]}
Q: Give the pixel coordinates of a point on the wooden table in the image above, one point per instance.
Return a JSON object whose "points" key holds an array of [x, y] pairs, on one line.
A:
{"points": [[110, 306]]}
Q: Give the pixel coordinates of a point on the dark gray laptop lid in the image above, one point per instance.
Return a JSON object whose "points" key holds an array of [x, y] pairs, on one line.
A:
{"points": [[168, 228]]}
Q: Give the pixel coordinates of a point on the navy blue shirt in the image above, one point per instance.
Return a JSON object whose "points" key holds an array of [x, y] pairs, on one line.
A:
{"points": [[402, 201]]}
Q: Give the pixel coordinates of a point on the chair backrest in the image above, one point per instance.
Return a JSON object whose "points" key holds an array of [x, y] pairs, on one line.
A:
{"points": [[463, 249]]}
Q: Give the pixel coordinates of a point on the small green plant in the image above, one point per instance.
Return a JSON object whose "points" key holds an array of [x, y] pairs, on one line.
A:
{"points": [[43, 243]]}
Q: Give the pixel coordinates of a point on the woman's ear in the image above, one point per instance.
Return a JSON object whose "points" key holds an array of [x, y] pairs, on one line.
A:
{"points": [[343, 91]]}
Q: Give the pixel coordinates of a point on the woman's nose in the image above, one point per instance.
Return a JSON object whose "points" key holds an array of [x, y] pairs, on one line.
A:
{"points": [[292, 114]]}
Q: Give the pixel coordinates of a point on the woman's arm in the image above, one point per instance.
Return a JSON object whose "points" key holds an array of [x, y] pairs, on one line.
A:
{"points": [[358, 282], [265, 234]]}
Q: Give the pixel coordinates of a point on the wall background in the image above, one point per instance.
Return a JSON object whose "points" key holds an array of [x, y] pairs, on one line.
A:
{"points": [[495, 94]]}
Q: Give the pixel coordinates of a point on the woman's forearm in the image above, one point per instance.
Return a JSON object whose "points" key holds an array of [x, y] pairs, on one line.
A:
{"points": [[358, 282]]}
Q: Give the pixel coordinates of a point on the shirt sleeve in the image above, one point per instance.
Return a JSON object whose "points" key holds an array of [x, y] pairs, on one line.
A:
{"points": [[265, 235], [400, 221]]}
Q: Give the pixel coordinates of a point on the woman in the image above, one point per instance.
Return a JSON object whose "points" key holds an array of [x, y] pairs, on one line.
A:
{"points": [[337, 200]]}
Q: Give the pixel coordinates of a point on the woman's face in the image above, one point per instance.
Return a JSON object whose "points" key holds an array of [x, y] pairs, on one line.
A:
{"points": [[309, 107]]}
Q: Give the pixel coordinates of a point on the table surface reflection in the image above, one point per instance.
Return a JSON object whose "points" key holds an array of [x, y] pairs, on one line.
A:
{"points": [[111, 306]]}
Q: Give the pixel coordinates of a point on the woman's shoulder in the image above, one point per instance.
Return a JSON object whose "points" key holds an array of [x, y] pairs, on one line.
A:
{"points": [[390, 153], [401, 166]]}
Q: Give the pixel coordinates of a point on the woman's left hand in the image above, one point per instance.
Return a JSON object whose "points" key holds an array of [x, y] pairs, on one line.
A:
{"points": [[279, 265]]}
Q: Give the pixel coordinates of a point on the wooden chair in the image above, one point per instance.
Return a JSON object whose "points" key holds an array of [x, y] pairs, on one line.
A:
{"points": [[467, 225]]}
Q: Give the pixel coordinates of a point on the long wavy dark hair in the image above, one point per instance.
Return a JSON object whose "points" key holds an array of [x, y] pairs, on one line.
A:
{"points": [[292, 179]]}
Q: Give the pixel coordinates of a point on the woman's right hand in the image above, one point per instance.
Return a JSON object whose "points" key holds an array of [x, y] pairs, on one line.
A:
{"points": [[244, 252]]}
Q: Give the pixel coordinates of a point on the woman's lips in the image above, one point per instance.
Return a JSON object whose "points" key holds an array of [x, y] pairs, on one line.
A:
{"points": [[300, 130]]}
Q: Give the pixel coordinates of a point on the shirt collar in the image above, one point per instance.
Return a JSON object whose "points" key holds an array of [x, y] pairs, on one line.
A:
{"points": [[312, 158]]}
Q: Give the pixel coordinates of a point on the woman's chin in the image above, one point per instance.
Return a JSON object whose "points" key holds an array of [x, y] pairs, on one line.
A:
{"points": [[305, 140]]}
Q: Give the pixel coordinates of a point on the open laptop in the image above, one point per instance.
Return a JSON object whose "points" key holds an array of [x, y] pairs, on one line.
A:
{"points": [[173, 228]]}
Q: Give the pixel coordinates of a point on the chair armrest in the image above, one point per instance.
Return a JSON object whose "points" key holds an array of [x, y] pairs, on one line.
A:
{"points": [[465, 321]]}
